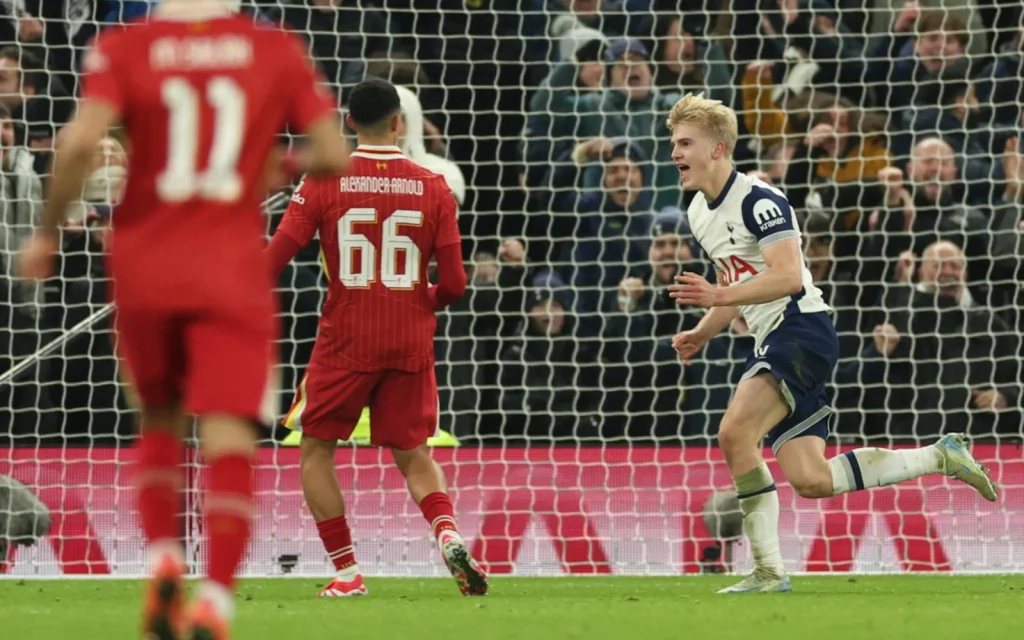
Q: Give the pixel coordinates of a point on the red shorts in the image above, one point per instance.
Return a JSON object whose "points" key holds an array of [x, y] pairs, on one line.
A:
{"points": [[204, 362], [403, 405]]}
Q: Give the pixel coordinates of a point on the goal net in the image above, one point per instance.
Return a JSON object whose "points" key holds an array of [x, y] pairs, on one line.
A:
{"points": [[574, 439]]}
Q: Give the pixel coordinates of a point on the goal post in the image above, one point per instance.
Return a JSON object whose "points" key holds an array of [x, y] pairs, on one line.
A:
{"points": [[574, 440]]}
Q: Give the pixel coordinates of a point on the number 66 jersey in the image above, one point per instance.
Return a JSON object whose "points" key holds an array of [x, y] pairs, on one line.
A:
{"points": [[379, 225]]}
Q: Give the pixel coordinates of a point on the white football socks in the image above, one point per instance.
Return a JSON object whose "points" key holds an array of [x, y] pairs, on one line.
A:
{"points": [[349, 573], [759, 502], [869, 467]]}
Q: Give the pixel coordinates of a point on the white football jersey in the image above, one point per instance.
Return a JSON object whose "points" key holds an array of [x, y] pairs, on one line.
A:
{"points": [[746, 217]]}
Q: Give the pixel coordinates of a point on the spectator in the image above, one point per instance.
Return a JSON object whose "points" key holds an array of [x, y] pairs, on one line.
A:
{"points": [[1000, 86], [686, 63], [957, 364], [540, 371], [922, 212], [20, 301], [601, 235], [921, 41], [39, 106], [411, 141], [642, 369], [630, 106], [341, 35], [839, 288]]}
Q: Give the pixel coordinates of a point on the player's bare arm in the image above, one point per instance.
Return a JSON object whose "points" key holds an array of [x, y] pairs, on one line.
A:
{"points": [[76, 145], [689, 343], [782, 278]]}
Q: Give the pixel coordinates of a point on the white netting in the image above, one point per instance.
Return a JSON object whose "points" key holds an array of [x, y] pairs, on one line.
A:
{"points": [[585, 446]]}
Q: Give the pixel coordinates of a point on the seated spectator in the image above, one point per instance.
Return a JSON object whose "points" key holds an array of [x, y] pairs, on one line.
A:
{"points": [[949, 109], [21, 202], [540, 371], [921, 211], [920, 42], [39, 106], [1000, 86], [956, 365], [839, 287], [630, 106], [341, 34], [641, 367], [684, 62], [602, 234]]}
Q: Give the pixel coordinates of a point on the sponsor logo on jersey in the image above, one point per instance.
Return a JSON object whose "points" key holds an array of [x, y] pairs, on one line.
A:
{"points": [[767, 214]]}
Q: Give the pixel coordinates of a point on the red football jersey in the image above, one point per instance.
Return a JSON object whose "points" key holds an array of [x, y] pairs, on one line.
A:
{"points": [[202, 104], [379, 227]]}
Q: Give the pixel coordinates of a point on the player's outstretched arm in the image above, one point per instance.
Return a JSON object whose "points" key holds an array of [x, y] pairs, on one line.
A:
{"points": [[76, 145]]}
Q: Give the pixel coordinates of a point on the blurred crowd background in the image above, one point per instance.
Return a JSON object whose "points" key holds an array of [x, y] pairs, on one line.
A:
{"points": [[892, 128]]}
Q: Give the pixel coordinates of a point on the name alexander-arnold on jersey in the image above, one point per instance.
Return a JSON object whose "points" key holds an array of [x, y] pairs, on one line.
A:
{"points": [[373, 184]]}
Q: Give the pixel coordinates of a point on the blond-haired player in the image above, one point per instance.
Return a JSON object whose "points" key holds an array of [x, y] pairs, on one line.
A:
{"points": [[747, 228]]}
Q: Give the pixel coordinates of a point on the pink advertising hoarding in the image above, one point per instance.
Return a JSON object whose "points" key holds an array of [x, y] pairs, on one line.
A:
{"points": [[540, 511]]}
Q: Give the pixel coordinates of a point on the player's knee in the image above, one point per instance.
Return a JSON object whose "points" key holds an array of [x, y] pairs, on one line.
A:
{"points": [[812, 485], [409, 460], [733, 438]]}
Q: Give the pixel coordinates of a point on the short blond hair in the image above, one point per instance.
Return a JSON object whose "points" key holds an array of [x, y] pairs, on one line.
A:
{"points": [[711, 116]]}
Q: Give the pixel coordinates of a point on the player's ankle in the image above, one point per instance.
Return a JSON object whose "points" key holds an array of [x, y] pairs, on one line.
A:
{"points": [[220, 597], [349, 573]]}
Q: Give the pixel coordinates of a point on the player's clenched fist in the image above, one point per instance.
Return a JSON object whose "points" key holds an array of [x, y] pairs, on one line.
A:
{"points": [[36, 259], [687, 344], [693, 288]]}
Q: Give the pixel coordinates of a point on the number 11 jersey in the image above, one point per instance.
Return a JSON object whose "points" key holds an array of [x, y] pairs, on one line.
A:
{"points": [[202, 104], [379, 227]]}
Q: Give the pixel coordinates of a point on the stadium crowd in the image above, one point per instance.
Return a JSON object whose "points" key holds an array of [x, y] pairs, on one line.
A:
{"points": [[892, 128]]}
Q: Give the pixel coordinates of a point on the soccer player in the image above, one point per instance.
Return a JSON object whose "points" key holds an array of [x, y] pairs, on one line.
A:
{"points": [[202, 94], [748, 230], [379, 227]]}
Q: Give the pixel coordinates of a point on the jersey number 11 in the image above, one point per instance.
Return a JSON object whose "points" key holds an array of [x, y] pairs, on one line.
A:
{"points": [[181, 180]]}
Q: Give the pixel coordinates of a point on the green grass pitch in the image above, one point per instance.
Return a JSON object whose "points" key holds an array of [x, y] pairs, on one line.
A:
{"points": [[826, 608]]}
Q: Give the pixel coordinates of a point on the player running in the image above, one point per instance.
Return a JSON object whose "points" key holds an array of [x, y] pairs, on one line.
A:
{"points": [[379, 227], [748, 230], [202, 94]]}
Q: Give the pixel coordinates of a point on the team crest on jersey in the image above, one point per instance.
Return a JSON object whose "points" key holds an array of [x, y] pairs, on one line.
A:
{"points": [[382, 166], [732, 240]]}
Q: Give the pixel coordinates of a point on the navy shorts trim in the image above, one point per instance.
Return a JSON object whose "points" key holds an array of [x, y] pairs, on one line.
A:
{"points": [[801, 354]]}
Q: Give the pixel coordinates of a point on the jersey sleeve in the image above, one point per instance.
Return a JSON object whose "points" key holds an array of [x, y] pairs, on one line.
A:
{"points": [[102, 81], [308, 94], [768, 216], [302, 218], [448, 223]]}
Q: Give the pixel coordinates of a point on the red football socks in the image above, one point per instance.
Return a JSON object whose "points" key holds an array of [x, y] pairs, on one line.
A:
{"points": [[337, 539], [438, 510], [228, 506], [158, 483]]}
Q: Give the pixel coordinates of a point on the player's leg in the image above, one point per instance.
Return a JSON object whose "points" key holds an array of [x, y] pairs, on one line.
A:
{"points": [[806, 468], [403, 416], [151, 366], [758, 405], [327, 407], [231, 386]]}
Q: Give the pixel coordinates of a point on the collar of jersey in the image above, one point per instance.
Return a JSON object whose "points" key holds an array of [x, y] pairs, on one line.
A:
{"points": [[725, 191], [378, 148]]}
